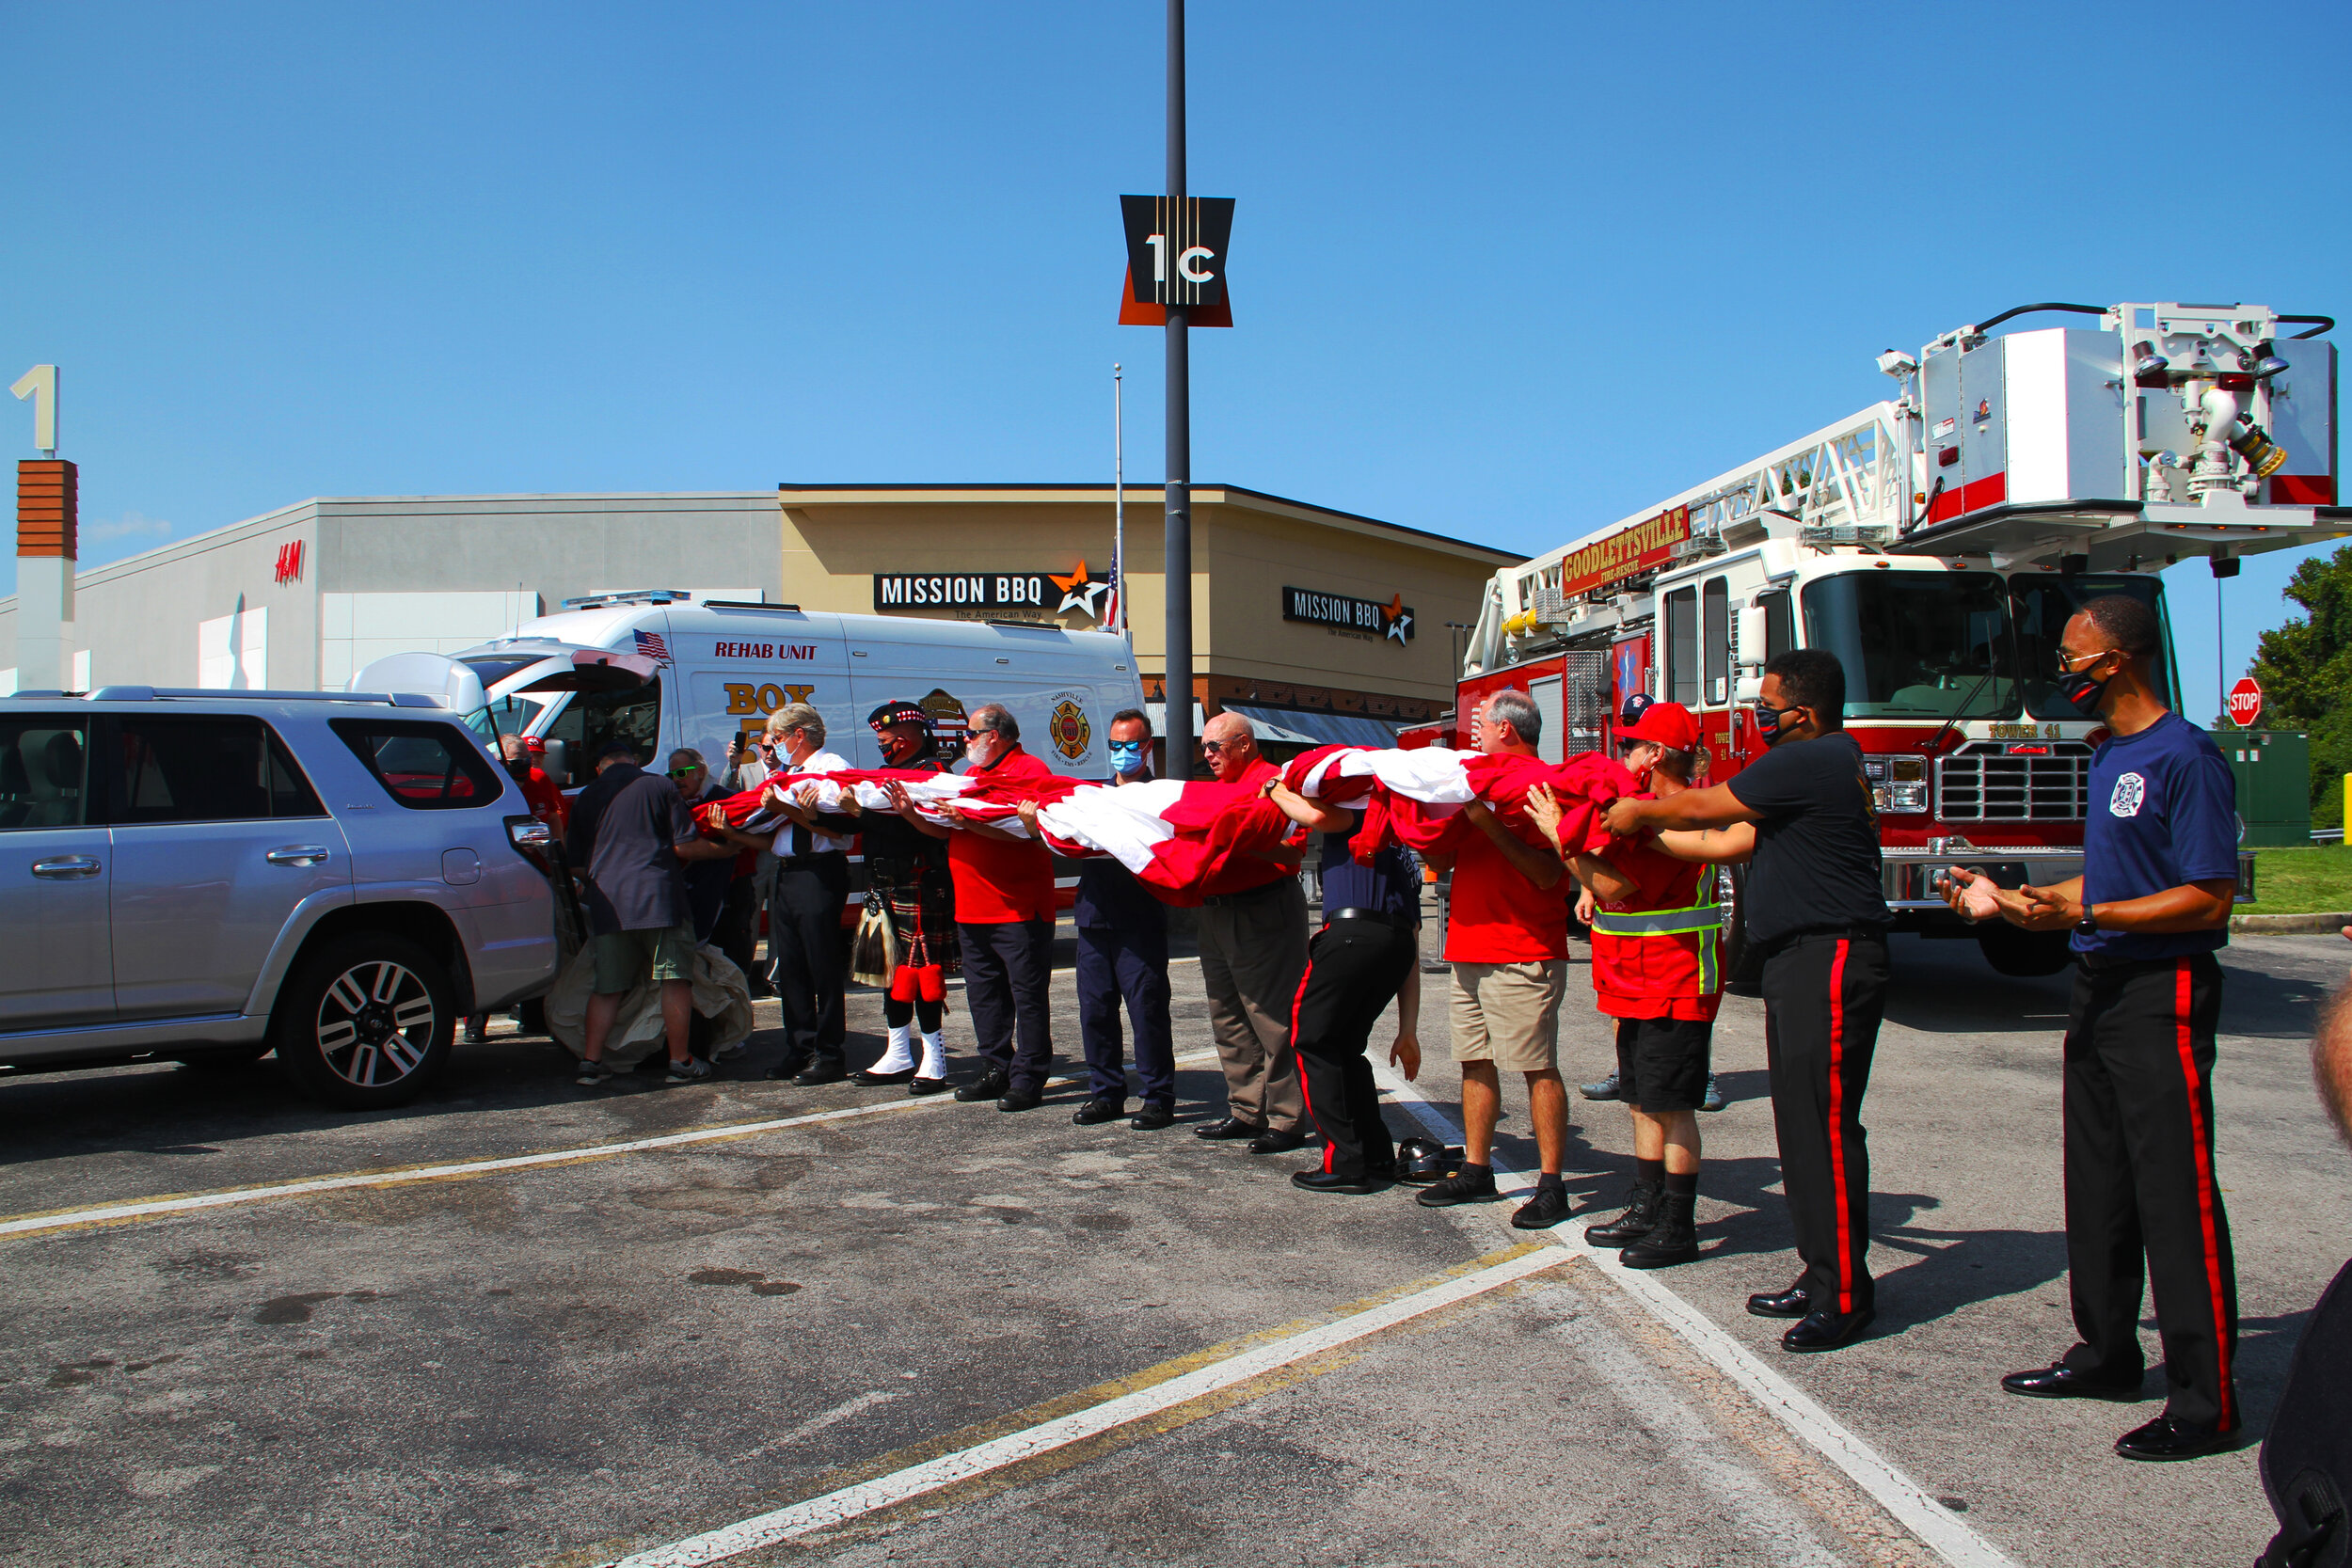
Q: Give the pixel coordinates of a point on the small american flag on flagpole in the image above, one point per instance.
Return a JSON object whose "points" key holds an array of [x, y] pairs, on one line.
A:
{"points": [[651, 646]]}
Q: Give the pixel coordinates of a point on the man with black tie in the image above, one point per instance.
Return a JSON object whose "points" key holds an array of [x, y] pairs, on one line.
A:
{"points": [[807, 891]]}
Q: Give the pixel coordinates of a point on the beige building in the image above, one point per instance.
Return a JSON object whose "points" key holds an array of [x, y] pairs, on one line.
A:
{"points": [[1294, 607], [1324, 617]]}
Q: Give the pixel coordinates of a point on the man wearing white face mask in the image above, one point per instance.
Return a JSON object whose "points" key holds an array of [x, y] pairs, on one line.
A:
{"points": [[1122, 954]]}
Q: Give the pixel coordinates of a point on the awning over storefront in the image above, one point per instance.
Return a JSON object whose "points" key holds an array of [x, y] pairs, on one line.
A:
{"points": [[1271, 730], [1319, 729]]}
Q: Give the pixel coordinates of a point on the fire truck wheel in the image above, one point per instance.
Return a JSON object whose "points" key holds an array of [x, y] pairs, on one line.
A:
{"points": [[2026, 954], [366, 1021], [1743, 967]]}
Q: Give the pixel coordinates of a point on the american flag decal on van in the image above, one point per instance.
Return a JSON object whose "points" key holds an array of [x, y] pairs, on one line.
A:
{"points": [[653, 647]]}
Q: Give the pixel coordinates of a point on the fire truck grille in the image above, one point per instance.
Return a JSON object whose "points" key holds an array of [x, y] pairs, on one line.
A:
{"points": [[1994, 782]]}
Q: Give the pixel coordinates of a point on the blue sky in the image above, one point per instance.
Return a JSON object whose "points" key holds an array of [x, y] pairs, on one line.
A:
{"points": [[1505, 271]]}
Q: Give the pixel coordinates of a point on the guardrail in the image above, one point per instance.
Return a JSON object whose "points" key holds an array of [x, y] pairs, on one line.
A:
{"points": [[2326, 835]]}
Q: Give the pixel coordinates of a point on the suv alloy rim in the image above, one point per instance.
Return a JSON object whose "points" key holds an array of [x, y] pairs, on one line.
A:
{"points": [[374, 1023]]}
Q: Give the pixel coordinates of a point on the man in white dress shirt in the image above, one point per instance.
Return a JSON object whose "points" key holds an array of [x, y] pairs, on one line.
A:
{"points": [[806, 890]]}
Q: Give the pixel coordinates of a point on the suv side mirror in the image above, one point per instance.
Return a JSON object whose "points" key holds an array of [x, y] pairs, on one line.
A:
{"points": [[1749, 689]]}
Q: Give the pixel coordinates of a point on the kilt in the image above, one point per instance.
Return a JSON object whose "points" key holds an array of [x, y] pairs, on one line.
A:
{"points": [[924, 913]]}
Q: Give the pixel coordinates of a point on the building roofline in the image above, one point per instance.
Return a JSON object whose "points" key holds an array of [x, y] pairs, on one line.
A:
{"points": [[1305, 510]]}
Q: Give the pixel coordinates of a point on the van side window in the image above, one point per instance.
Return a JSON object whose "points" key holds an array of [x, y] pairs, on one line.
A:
{"points": [[590, 719], [422, 764], [220, 768], [43, 765], [1682, 646]]}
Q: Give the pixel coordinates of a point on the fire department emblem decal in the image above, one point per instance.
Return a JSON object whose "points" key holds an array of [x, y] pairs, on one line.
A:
{"points": [[1072, 735], [2130, 790]]}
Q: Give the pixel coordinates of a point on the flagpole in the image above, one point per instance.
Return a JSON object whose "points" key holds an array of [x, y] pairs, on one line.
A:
{"points": [[1118, 504]]}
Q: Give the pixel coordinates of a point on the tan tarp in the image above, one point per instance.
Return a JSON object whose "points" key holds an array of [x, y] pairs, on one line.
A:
{"points": [[720, 995]]}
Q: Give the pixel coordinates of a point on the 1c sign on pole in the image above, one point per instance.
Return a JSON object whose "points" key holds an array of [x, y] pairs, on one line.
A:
{"points": [[2246, 703], [1176, 256]]}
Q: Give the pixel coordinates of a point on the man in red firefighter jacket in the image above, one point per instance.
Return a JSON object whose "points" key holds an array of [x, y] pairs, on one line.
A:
{"points": [[1656, 970]]}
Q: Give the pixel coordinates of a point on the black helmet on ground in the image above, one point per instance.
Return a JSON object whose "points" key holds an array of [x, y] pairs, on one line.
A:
{"points": [[1423, 1160]]}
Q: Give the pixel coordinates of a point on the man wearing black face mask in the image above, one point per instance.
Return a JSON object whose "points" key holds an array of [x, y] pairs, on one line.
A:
{"points": [[1801, 814], [2148, 913]]}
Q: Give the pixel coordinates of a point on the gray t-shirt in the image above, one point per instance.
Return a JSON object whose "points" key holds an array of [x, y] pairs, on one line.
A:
{"points": [[624, 829]]}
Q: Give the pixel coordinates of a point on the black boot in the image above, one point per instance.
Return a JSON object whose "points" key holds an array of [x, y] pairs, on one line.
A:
{"points": [[1639, 1219], [1673, 1240]]}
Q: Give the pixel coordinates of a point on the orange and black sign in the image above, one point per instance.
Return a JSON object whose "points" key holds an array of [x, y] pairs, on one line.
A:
{"points": [[1176, 256]]}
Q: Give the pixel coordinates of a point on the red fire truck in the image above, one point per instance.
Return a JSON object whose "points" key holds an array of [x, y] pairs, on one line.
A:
{"points": [[1937, 544]]}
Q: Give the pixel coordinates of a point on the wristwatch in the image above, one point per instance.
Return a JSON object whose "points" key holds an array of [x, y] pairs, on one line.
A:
{"points": [[2088, 925]]}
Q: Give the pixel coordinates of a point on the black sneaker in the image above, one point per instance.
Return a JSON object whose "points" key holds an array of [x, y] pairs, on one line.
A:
{"points": [[1095, 1112], [1462, 1187], [1548, 1207]]}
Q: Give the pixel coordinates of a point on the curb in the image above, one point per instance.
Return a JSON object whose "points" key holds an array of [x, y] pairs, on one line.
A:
{"points": [[2284, 925]]}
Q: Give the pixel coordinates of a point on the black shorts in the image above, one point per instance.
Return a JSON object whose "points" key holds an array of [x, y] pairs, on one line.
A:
{"points": [[1661, 1062]]}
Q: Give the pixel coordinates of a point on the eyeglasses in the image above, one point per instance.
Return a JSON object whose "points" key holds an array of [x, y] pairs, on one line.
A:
{"points": [[1210, 748], [2068, 663], [686, 773]]}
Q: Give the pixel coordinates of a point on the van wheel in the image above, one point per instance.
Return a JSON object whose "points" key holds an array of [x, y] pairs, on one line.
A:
{"points": [[1743, 966], [366, 1022], [2026, 953]]}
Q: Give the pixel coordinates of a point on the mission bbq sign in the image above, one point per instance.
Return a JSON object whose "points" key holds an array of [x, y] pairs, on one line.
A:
{"points": [[965, 591], [1393, 619]]}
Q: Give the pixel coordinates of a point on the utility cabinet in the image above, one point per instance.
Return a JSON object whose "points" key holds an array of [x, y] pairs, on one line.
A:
{"points": [[2273, 769]]}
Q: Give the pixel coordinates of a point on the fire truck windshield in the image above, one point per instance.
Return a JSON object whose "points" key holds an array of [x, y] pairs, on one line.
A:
{"points": [[1955, 644]]}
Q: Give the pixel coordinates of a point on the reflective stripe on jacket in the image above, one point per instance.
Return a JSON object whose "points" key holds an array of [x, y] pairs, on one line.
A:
{"points": [[1659, 953]]}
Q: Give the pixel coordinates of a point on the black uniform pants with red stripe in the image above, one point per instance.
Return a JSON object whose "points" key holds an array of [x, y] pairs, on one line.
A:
{"points": [[1823, 996], [1353, 969], [2142, 1201]]}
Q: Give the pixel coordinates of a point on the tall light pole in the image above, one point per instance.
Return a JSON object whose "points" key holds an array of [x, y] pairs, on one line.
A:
{"points": [[1119, 507], [1177, 578]]}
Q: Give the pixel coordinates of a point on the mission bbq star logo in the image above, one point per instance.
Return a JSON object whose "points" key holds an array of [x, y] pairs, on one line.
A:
{"points": [[1081, 591], [1396, 621]]}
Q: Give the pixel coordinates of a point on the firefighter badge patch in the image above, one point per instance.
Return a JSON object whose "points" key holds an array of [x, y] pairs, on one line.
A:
{"points": [[1072, 735]]}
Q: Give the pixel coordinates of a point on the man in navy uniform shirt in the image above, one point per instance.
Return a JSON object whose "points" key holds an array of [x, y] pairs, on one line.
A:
{"points": [[1122, 953], [2148, 912]]}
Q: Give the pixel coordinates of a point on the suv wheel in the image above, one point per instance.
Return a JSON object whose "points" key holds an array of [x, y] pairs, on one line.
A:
{"points": [[366, 1021]]}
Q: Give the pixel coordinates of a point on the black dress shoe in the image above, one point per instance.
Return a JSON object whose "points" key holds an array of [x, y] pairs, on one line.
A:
{"points": [[988, 1085], [1277, 1143], [1548, 1207], [1021, 1099], [1333, 1181], [1096, 1112], [1153, 1118], [791, 1066], [927, 1086], [871, 1079], [2063, 1382], [1229, 1130], [1827, 1330], [2169, 1438], [1795, 1301], [820, 1072]]}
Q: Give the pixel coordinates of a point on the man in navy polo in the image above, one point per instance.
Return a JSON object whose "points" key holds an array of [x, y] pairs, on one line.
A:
{"points": [[2148, 913]]}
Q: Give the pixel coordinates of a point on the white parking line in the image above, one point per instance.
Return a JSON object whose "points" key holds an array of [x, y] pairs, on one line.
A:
{"points": [[1910, 1504], [66, 1219], [853, 1502]]}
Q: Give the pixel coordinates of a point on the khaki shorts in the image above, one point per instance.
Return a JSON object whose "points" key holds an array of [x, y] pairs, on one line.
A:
{"points": [[1509, 1014], [623, 958]]}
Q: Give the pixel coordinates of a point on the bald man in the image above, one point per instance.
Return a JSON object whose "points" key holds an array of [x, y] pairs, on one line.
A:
{"points": [[1253, 953]]}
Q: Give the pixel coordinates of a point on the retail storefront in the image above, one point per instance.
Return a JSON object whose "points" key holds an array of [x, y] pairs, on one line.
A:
{"points": [[1325, 624]]}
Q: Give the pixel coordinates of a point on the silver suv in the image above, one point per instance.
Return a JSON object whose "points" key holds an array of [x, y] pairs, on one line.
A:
{"points": [[206, 876]]}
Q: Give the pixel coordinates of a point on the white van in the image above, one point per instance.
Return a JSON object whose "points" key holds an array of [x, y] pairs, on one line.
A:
{"points": [[661, 672]]}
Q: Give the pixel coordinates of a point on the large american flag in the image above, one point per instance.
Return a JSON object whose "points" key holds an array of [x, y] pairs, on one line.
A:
{"points": [[653, 647]]}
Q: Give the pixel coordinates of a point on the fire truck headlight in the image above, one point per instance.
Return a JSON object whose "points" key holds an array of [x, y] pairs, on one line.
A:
{"points": [[2267, 362], [1896, 363]]}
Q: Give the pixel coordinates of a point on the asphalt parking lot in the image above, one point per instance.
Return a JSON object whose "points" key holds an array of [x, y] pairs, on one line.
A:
{"points": [[518, 1322]]}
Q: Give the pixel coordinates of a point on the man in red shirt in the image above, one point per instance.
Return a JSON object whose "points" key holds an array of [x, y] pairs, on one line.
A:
{"points": [[1005, 923], [1656, 970], [1507, 939], [1253, 953], [546, 802]]}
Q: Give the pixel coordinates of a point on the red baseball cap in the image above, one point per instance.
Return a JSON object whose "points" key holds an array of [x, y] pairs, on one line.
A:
{"points": [[1669, 724], [535, 746]]}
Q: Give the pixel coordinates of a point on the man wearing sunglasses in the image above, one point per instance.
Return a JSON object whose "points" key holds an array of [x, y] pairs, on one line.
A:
{"points": [[1801, 816], [2143, 1202]]}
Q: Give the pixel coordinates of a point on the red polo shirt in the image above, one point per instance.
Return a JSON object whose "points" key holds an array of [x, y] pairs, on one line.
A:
{"points": [[1255, 852], [1497, 916], [1655, 976], [998, 881]]}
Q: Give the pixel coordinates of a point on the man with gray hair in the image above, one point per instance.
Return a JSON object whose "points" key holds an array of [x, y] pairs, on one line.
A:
{"points": [[1253, 953]]}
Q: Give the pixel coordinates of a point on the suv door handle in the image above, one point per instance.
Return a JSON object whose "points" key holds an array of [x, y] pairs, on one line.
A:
{"points": [[66, 868], [297, 854]]}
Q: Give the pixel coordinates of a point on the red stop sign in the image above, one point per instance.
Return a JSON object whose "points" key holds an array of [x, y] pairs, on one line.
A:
{"points": [[2246, 703]]}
